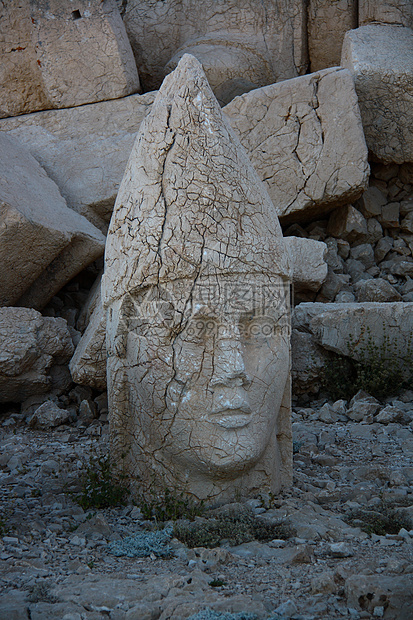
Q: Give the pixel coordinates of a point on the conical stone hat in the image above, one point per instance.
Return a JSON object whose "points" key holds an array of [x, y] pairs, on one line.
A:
{"points": [[190, 203]]}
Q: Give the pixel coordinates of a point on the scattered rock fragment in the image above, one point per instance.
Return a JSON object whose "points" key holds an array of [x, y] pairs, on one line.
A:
{"points": [[30, 346], [48, 416]]}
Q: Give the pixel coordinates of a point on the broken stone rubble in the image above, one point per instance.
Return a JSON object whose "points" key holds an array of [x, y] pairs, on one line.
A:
{"points": [[54, 549], [32, 349]]}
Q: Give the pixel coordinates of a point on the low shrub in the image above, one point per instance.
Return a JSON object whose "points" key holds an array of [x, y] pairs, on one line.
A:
{"points": [[101, 487], [234, 530]]}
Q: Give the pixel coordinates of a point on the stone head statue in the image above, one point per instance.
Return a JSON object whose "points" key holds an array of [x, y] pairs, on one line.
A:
{"points": [[196, 288]]}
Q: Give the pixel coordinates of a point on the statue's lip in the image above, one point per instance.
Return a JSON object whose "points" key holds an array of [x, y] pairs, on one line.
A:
{"points": [[231, 417], [242, 409]]}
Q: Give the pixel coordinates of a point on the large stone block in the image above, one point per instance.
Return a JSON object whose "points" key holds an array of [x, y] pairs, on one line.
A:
{"points": [[386, 12], [305, 139], [43, 243], [393, 593], [320, 329], [328, 22], [57, 55], [239, 42], [308, 258], [334, 325], [31, 345], [380, 58], [84, 149]]}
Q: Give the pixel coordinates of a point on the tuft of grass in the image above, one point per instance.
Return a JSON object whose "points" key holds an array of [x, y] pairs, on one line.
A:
{"points": [[169, 506], [384, 519], [217, 583], [101, 487], [40, 593], [234, 530]]}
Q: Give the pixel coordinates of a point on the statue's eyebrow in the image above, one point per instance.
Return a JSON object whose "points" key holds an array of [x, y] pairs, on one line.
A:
{"points": [[208, 312]]}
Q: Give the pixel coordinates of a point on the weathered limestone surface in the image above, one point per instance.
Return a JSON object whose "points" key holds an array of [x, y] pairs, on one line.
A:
{"points": [[332, 324], [321, 328], [88, 364], [196, 290], [380, 58], [328, 22], [56, 55], [386, 11], [30, 345], [43, 244], [241, 41], [305, 139], [395, 591], [308, 262], [84, 150]]}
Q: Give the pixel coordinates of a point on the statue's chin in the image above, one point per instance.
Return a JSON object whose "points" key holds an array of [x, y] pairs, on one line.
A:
{"points": [[211, 463]]}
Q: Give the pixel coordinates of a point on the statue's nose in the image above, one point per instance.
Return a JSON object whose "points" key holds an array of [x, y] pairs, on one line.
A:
{"points": [[229, 366]]}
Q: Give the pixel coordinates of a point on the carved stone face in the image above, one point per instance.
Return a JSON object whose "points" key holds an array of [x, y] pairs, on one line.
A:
{"points": [[205, 373]]}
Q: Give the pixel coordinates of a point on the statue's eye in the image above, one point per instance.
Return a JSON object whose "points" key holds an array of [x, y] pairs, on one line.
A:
{"points": [[200, 328], [257, 327]]}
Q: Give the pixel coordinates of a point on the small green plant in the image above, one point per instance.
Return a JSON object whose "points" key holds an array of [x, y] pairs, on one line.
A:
{"points": [[169, 506], [101, 487], [217, 583], [380, 369], [4, 529], [233, 529], [268, 500], [383, 519]]}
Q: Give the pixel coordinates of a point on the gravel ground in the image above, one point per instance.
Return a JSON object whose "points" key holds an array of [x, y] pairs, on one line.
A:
{"points": [[55, 561]]}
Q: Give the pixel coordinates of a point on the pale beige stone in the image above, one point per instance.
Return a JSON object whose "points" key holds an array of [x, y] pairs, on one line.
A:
{"points": [[333, 324], [319, 329], [196, 288], [30, 345], [88, 364], [386, 12], [308, 258], [84, 149], [258, 41], [380, 58], [43, 244], [349, 224], [58, 55], [328, 22], [305, 139]]}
